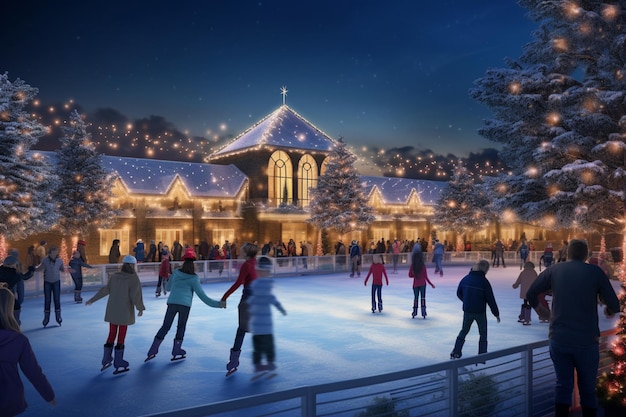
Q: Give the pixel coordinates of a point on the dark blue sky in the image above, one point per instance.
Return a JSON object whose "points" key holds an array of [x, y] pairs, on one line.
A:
{"points": [[383, 74]]}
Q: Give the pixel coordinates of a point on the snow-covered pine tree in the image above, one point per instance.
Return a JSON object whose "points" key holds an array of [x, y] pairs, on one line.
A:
{"points": [[338, 201], [560, 113], [463, 205], [85, 187], [26, 183]]}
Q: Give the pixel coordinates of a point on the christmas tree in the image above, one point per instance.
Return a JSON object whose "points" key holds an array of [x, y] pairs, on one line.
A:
{"points": [[611, 386], [463, 206], [559, 113], [338, 201], [84, 192], [26, 183]]}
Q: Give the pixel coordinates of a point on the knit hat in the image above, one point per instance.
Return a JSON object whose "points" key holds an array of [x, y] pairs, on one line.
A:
{"points": [[10, 261], [190, 254], [82, 242], [129, 259], [264, 263]]}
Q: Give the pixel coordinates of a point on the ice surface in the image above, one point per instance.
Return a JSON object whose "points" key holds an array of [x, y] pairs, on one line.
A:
{"points": [[329, 334]]}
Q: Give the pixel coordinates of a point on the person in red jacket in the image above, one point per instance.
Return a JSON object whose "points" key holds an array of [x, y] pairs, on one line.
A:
{"points": [[165, 270], [247, 274], [420, 278], [377, 270]]}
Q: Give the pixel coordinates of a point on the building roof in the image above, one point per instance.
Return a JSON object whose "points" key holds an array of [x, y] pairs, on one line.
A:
{"points": [[284, 128], [398, 190], [150, 176]]}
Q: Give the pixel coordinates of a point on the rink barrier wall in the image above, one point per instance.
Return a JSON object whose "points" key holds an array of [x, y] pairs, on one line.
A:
{"points": [[517, 381], [227, 270]]}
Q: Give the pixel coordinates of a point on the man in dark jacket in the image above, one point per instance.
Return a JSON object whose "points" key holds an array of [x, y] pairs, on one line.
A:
{"points": [[476, 293], [574, 331]]}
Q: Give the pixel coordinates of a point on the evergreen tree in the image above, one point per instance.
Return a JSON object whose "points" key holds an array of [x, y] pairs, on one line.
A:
{"points": [[463, 205], [84, 192], [338, 202], [26, 183], [560, 113]]}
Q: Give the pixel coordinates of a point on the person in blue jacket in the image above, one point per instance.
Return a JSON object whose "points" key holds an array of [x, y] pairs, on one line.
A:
{"points": [[476, 293], [183, 283]]}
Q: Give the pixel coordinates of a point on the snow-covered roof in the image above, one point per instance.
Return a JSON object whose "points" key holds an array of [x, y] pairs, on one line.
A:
{"points": [[150, 176], [398, 190], [284, 128]]}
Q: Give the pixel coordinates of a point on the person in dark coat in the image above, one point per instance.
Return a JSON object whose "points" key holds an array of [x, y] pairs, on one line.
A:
{"points": [[114, 252], [140, 251], [15, 351], [476, 293], [574, 334], [11, 274]]}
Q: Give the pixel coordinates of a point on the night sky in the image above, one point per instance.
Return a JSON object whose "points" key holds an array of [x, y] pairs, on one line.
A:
{"points": [[380, 74]]}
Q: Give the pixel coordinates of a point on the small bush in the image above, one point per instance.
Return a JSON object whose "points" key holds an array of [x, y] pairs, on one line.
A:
{"points": [[478, 396], [382, 407]]}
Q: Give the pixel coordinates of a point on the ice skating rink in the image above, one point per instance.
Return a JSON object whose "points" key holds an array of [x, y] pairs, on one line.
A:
{"points": [[329, 334]]}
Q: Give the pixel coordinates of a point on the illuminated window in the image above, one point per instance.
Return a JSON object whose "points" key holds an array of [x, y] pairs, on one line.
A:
{"points": [[307, 179], [279, 179], [324, 166], [168, 236], [106, 240]]}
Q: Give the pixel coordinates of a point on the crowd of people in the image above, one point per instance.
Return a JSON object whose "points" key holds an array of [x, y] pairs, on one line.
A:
{"points": [[573, 283]]}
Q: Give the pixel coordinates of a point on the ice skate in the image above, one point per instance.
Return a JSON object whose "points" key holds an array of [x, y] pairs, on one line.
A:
{"points": [[57, 314], [107, 357], [120, 364], [46, 318], [233, 363], [259, 371], [380, 306], [177, 352], [154, 349]]}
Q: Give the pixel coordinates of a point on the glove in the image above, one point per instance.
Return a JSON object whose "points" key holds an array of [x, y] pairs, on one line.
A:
{"points": [[498, 318]]}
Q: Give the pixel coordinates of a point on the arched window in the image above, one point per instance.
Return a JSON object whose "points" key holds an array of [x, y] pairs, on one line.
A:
{"points": [[324, 166], [307, 178], [279, 179]]}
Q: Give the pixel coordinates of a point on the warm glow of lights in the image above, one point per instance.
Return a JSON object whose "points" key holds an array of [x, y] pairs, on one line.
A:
{"points": [[610, 12], [515, 87], [587, 177], [571, 9], [508, 216], [532, 172], [560, 44], [553, 119]]}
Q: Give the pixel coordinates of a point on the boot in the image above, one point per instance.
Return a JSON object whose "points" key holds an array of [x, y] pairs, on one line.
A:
{"points": [[373, 307], [527, 315], [46, 318], [119, 361], [423, 308], [380, 306], [154, 349], [107, 357], [482, 346], [77, 298], [233, 362], [458, 346], [16, 314], [414, 309], [58, 316], [177, 351], [520, 318], [561, 410]]}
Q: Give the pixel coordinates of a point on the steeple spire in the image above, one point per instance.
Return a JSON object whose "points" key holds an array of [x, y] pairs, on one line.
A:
{"points": [[283, 91]]}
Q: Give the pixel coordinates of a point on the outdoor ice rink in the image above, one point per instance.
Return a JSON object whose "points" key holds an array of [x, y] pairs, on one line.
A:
{"points": [[329, 334]]}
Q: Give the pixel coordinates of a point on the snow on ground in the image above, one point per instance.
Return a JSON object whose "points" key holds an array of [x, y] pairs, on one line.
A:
{"points": [[329, 334]]}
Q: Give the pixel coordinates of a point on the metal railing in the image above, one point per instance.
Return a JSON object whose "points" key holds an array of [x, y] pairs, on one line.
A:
{"points": [[518, 381]]}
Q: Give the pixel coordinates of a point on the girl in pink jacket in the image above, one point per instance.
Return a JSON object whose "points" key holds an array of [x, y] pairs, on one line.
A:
{"points": [[377, 270], [420, 278]]}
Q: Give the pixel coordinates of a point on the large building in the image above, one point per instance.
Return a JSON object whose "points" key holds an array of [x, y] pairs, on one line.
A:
{"points": [[240, 195]]}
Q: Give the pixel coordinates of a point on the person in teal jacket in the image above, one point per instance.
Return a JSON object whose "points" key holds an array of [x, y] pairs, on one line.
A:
{"points": [[182, 285]]}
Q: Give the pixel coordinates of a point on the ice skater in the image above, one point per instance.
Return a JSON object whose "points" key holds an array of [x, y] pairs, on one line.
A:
{"points": [[52, 267], [418, 271], [261, 326], [182, 285], [377, 270], [524, 281], [124, 291], [476, 293], [16, 353], [247, 275], [165, 269], [76, 265]]}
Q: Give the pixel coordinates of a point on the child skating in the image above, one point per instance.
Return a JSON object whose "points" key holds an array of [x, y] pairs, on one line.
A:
{"points": [[76, 265], [260, 308], [182, 285], [377, 270], [420, 277], [524, 281], [124, 291], [165, 269]]}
